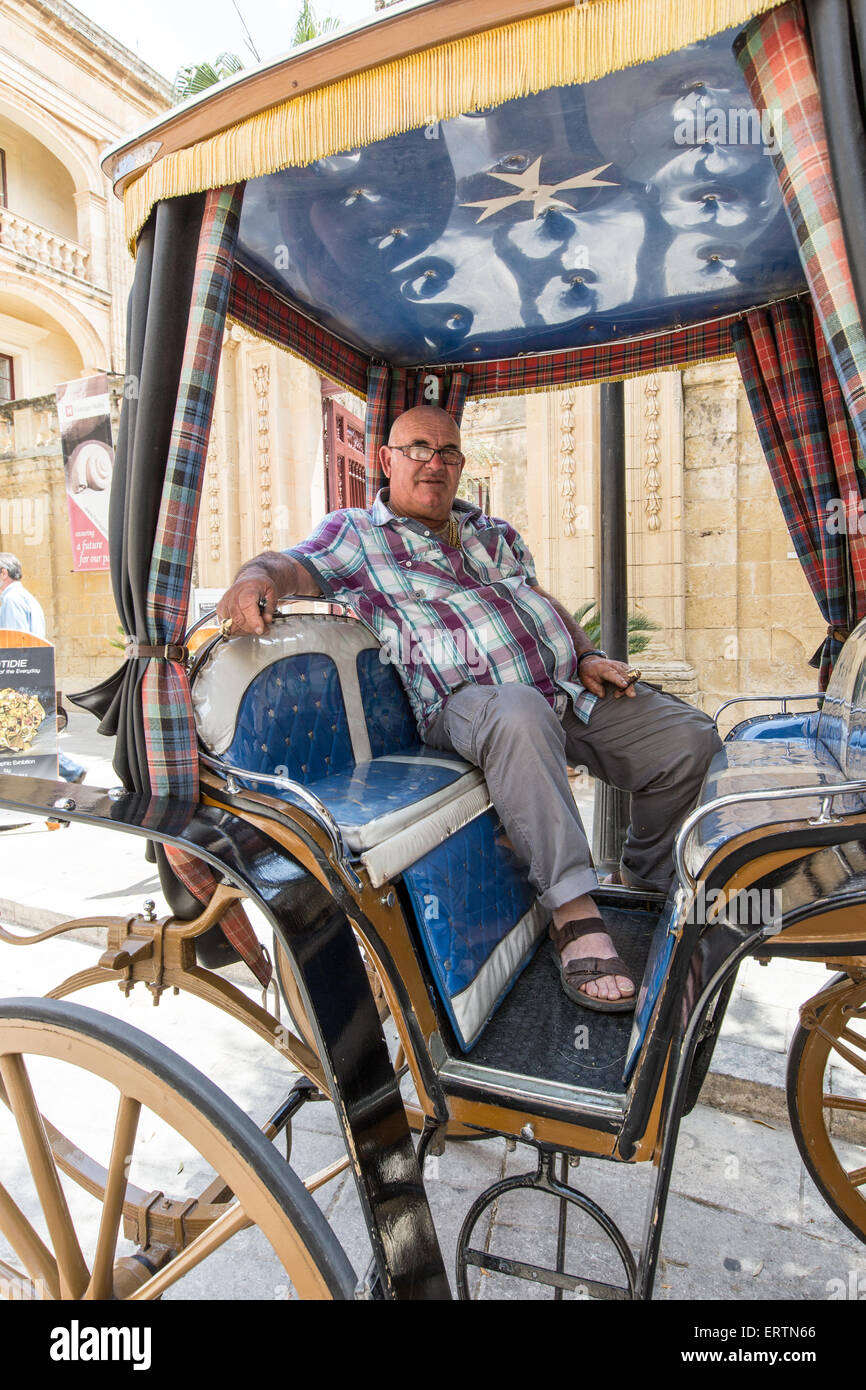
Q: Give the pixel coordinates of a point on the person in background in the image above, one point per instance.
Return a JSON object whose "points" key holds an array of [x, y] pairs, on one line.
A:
{"points": [[21, 612]]}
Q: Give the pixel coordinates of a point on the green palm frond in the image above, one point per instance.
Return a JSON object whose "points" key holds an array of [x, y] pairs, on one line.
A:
{"points": [[639, 627], [307, 26], [197, 77]]}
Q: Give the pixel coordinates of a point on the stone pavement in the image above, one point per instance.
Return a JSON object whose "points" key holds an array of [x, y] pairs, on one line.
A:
{"points": [[744, 1220]]}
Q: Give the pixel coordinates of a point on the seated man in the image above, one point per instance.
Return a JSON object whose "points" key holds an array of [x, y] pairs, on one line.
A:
{"points": [[498, 671]]}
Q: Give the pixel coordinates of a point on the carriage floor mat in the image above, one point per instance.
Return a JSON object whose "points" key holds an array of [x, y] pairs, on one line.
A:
{"points": [[539, 1032]]}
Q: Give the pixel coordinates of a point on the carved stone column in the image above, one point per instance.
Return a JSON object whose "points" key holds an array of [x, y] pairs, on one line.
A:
{"points": [[656, 579], [562, 453]]}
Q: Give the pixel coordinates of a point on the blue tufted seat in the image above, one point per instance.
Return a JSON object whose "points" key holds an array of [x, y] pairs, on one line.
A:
{"points": [[815, 750], [315, 702]]}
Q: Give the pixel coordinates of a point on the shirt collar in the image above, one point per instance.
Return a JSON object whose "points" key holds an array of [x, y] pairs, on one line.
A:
{"points": [[381, 514]]}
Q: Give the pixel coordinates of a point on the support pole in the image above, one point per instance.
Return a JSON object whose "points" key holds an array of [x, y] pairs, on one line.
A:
{"points": [[611, 815]]}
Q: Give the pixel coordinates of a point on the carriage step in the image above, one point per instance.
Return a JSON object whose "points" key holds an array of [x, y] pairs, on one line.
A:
{"points": [[539, 1274]]}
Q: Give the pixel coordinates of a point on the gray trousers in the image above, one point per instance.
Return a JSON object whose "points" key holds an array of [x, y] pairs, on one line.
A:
{"points": [[653, 746]]}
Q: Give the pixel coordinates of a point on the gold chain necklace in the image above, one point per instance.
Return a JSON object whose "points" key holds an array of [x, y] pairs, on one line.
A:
{"points": [[453, 530]]}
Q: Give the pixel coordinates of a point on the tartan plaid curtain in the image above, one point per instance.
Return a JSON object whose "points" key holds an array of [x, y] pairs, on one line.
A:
{"points": [[775, 56], [814, 458], [177, 310], [390, 391], [169, 727]]}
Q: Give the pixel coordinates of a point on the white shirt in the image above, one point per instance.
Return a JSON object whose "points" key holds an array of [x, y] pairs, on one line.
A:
{"points": [[20, 611]]}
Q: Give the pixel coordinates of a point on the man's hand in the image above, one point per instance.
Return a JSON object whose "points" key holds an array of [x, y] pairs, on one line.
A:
{"points": [[599, 674], [249, 605], [258, 588]]}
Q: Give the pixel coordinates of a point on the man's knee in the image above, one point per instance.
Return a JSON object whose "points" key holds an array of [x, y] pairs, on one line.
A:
{"points": [[702, 744]]}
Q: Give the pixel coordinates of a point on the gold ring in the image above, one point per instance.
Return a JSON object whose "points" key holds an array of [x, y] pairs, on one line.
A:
{"points": [[633, 674], [225, 627]]}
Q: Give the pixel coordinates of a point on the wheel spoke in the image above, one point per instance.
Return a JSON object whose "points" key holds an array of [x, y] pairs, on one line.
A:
{"points": [[857, 1177], [857, 1039], [844, 1103], [125, 1127], [859, 1063], [33, 1252], [225, 1226], [15, 1284], [325, 1175], [70, 1261]]}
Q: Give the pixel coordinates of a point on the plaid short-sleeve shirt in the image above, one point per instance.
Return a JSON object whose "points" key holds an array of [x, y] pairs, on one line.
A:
{"points": [[446, 616]]}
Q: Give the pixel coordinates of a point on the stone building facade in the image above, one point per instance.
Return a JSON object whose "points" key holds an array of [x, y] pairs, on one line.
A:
{"points": [[710, 560], [67, 91]]}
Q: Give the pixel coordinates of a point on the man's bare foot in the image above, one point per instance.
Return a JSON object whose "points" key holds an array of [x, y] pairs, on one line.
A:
{"points": [[594, 943]]}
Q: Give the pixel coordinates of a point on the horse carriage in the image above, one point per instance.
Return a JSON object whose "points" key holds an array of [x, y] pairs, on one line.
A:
{"points": [[472, 200]]}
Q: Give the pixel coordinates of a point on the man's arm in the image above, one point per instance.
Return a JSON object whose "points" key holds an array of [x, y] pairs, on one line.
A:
{"points": [[257, 589], [595, 672]]}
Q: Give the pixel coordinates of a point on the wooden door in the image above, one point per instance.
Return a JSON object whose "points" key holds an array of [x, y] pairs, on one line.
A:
{"points": [[345, 466]]}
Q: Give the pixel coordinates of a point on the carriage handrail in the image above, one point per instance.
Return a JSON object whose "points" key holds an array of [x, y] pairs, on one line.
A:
{"points": [[827, 794], [763, 699], [318, 809], [287, 599]]}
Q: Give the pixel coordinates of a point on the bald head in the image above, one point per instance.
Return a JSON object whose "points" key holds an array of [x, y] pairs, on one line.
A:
{"points": [[417, 423]]}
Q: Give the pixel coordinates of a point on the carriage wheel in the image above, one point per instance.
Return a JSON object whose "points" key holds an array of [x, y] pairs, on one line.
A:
{"points": [[301, 1024], [166, 1169], [827, 1111], [292, 997]]}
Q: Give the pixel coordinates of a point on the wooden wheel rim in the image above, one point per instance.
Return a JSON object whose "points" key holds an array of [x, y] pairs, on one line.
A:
{"points": [[270, 1194], [811, 1053]]}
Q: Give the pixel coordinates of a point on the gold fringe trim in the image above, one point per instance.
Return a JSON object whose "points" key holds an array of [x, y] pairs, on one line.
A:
{"points": [[578, 44]]}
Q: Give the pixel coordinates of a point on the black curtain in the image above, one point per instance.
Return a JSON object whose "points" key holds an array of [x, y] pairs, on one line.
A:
{"points": [[157, 316], [837, 33]]}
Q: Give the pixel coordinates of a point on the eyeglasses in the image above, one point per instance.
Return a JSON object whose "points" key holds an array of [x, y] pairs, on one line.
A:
{"points": [[423, 453]]}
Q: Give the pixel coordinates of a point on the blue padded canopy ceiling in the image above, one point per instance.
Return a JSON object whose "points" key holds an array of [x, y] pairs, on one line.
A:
{"points": [[585, 214]]}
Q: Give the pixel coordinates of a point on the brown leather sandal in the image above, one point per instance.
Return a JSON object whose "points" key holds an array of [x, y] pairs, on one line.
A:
{"points": [[580, 972], [585, 968]]}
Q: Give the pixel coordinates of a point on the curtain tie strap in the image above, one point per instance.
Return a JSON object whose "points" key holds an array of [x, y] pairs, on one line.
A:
{"points": [[839, 634], [169, 651]]}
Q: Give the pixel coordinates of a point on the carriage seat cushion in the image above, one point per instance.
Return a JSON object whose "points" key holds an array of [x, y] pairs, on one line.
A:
{"points": [[395, 808], [761, 765], [313, 701], [824, 750]]}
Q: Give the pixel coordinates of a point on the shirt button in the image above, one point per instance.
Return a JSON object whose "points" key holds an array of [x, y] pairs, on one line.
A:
{"points": [[426, 533], [408, 564]]}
